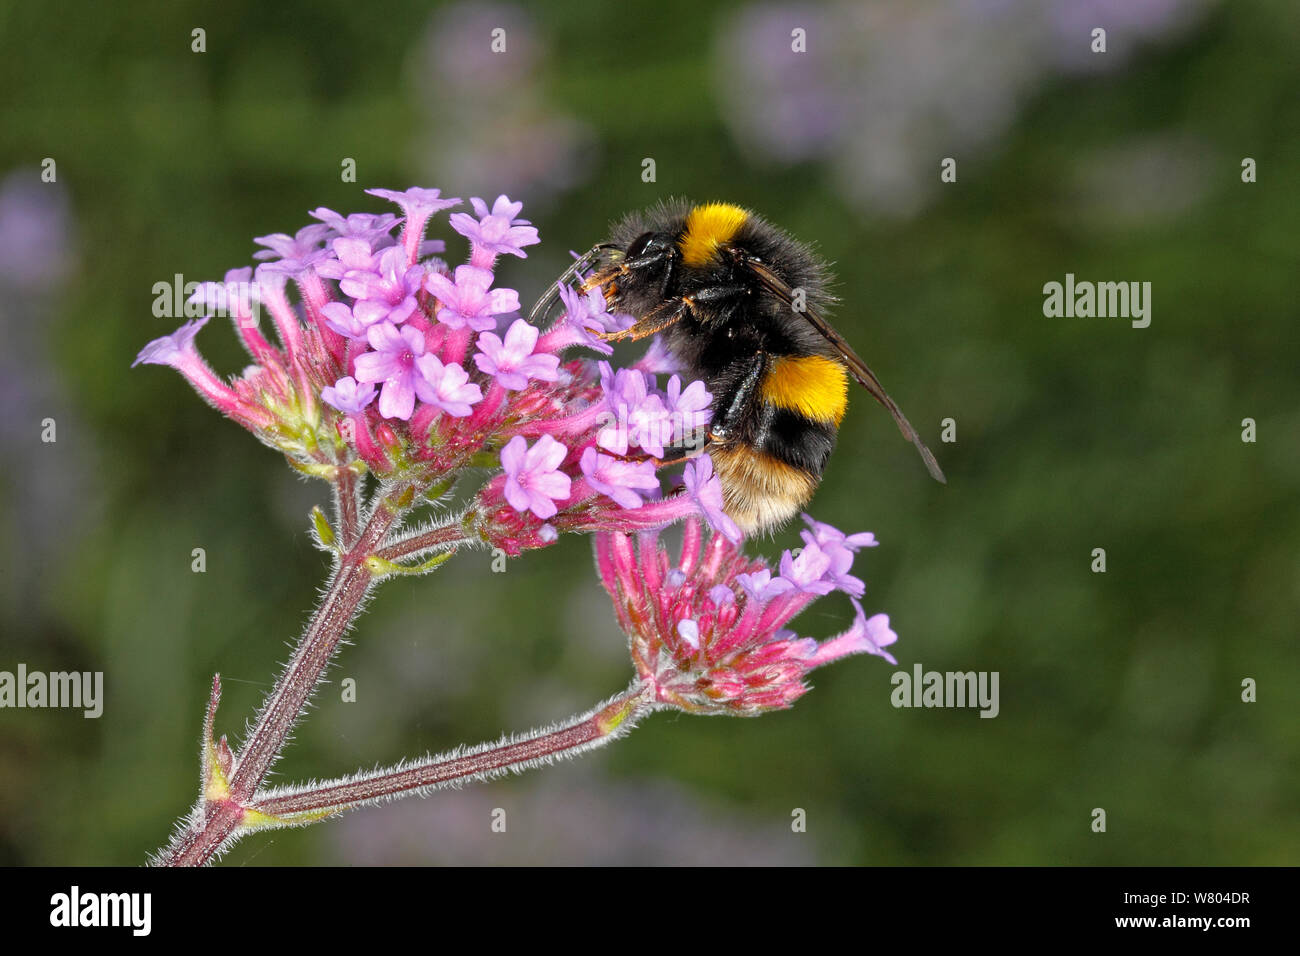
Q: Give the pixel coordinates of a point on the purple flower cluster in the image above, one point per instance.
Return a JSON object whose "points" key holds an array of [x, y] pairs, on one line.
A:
{"points": [[392, 348], [821, 566], [708, 632]]}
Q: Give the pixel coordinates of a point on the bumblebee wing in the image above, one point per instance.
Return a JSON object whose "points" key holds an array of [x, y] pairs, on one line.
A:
{"points": [[857, 368]]}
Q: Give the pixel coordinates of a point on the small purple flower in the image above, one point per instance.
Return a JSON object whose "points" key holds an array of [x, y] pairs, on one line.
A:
{"points": [[625, 391], [596, 312], [533, 479], [839, 548], [641, 416], [369, 227], [350, 255], [838, 574], [809, 571], [620, 480], [496, 230], [689, 631], [389, 280], [353, 322], [870, 635], [447, 386], [179, 351], [581, 322], [689, 411], [231, 297], [650, 425], [761, 586], [174, 348], [348, 395], [417, 206], [393, 363], [721, 595], [416, 202], [706, 489], [827, 535], [467, 301], [301, 249], [512, 362]]}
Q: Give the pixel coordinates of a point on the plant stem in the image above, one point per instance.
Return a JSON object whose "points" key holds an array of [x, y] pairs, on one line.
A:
{"points": [[592, 729], [347, 589], [437, 537], [342, 602], [345, 503]]}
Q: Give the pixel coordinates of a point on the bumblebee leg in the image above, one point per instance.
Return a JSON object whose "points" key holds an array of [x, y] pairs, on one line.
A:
{"points": [[682, 453], [705, 301], [711, 297], [730, 412], [654, 322]]}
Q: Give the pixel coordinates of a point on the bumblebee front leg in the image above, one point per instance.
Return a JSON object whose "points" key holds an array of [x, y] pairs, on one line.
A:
{"points": [[703, 304], [658, 319]]}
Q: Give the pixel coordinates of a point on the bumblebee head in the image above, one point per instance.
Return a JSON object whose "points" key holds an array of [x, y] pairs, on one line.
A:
{"points": [[638, 275]]}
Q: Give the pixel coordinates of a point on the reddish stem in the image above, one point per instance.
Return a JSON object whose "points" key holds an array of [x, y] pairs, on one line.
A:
{"points": [[345, 497], [451, 534], [591, 729], [347, 589]]}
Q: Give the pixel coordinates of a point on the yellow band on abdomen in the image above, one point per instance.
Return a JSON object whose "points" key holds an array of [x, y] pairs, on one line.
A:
{"points": [[812, 385]]}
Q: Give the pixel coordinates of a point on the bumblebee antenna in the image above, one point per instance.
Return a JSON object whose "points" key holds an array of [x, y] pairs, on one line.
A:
{"points": [[542, 308]]}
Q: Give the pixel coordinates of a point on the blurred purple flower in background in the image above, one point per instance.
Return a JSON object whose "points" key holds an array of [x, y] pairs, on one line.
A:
{"points": [[34, 231], [1128, 25], [48, 478], [529, 147], [885, 90]]}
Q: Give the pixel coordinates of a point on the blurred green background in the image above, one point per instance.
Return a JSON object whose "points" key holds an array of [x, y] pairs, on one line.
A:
{"points": [[1119, 690]]}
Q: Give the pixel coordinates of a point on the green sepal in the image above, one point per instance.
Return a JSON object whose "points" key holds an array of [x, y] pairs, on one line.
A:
{"points": [[324, 530], [435, 492], [315, 469], [382, 567]]}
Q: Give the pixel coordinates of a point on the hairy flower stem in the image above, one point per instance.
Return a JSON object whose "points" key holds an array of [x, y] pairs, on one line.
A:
{"points": [[344, 596], [593, 729], [345, 503], [436, 538]]}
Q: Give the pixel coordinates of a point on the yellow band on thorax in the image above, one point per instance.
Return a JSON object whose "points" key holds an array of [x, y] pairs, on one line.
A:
{"points": [[707, 227]]}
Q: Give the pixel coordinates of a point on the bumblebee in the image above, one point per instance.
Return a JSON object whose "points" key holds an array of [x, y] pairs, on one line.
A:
{"points": [[741, 305]]}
